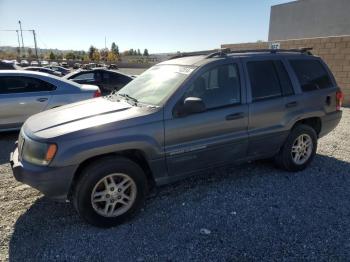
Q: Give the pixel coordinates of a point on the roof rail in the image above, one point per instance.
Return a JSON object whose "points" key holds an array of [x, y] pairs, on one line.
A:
{"points": [[212, 53], [225, 51], [305, 50]]}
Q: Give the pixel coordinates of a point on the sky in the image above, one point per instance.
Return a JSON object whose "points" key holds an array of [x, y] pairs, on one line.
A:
{"points": [[158, 25]]}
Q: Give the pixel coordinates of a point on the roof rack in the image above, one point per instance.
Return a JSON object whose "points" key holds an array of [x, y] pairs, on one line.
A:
{"points": [[304, 50], [204, 52], [225, 51]]}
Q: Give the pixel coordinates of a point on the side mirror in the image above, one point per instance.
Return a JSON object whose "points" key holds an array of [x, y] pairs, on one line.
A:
{"points": [[191, 105]]}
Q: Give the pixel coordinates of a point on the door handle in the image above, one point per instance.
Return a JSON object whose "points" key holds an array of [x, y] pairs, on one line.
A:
{"points": [[42, 99], [292, 104], [235, 116]]}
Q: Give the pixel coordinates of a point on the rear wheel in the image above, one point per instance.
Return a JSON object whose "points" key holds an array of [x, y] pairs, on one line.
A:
{"points": [[110, 191], [298, 150]]}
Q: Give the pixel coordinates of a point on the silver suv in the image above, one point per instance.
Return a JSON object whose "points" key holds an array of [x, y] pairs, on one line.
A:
{"points": [[179, 117]]}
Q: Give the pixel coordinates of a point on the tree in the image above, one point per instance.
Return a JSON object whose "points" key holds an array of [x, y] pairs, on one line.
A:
{"points": [[52, 56], [59, 56], [104, 54], [70, 56], [138, 52], [112, 57], [115, 49], [145, 52], [91, 52], [96, 55]]}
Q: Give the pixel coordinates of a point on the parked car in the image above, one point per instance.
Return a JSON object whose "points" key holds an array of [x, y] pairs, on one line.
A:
{"points": [[34, 63], [89, 66], [178, 118], [44, 70], [76, 65], [24, 93], [54, 64], [64, 64], [113, 66], [24, 63], [44, 63], [5, 65], [60, 69], [106, 80]]}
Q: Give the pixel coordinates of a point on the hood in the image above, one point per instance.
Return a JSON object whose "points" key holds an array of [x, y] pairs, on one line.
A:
{"points": [[79, 116]]}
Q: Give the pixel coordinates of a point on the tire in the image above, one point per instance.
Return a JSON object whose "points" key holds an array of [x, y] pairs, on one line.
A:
{"points": [[286, 159], [90, 198]]}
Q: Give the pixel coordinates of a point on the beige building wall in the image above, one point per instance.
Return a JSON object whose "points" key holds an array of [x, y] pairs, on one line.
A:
{"points": [[335, 51]]}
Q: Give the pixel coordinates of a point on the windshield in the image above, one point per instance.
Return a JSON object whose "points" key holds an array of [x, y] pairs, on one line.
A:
{"points": [[156, 84]]}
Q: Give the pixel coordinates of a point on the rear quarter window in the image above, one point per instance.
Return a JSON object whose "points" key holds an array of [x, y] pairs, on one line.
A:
{"points": [[311, 74]]}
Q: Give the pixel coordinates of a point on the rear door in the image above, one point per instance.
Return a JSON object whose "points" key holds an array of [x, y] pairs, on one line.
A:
{"points": [[219, 134], [271, 99], [21, 97]]}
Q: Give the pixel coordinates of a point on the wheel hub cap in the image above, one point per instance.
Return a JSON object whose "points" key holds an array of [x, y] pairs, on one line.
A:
{"points": [[113, 195], [302, 149]]}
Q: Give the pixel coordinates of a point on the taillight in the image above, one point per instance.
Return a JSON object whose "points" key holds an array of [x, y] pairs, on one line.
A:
{"points": [[340, 98], [97, 93]]}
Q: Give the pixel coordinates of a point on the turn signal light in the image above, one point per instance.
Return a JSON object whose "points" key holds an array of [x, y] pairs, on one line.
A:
{"points": [[51, 151]]}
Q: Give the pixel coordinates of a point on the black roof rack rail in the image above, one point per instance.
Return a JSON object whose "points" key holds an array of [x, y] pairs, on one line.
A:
{"points": [[225, 51], [305, 50], [212, 53]]}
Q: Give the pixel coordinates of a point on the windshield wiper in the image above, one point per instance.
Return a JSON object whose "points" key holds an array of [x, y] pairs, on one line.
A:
{"points": [[129, 98]]}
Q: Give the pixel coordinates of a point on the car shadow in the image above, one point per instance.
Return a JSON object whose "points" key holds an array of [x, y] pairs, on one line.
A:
{"points": [[254, 202], [7, 143]]}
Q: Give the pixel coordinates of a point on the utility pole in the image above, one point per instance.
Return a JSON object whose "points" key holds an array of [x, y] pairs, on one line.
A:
{"points": [[19, 45], [20, 28], [105, 43], [36, 47]]}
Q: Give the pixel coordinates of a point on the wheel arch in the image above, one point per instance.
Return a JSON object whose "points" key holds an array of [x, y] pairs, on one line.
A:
{"points": [[313, 122], [135, 155]]}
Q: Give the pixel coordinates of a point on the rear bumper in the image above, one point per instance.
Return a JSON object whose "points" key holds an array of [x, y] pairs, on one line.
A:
{"points": [[329, 122], [53, 182]]}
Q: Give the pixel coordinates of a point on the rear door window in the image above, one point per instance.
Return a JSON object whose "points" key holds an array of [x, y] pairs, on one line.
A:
{"points": [[311, 74], [285, 82], [264, 81], [84, 76], [21, 84], [118, 79]]}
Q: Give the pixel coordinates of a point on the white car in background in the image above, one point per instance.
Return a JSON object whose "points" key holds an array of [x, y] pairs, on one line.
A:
{"points": [[34, 63], [25, 93], [24, 62]]}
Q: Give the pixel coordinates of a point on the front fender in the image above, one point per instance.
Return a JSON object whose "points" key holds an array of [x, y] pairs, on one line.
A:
{"points": [[78, 153]]}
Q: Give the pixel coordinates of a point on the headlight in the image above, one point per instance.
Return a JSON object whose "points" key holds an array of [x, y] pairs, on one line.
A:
{"points": [[38, 153]]}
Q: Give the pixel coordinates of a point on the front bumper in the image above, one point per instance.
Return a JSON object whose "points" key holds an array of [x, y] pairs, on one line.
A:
{"points": [[53, 182]]}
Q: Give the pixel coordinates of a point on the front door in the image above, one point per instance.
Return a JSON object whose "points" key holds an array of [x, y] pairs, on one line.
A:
{"points": [[213, 137]]}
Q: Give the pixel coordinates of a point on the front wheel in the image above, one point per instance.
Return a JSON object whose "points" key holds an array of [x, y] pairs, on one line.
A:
{"points": [[110, 191], [299, 149]]}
